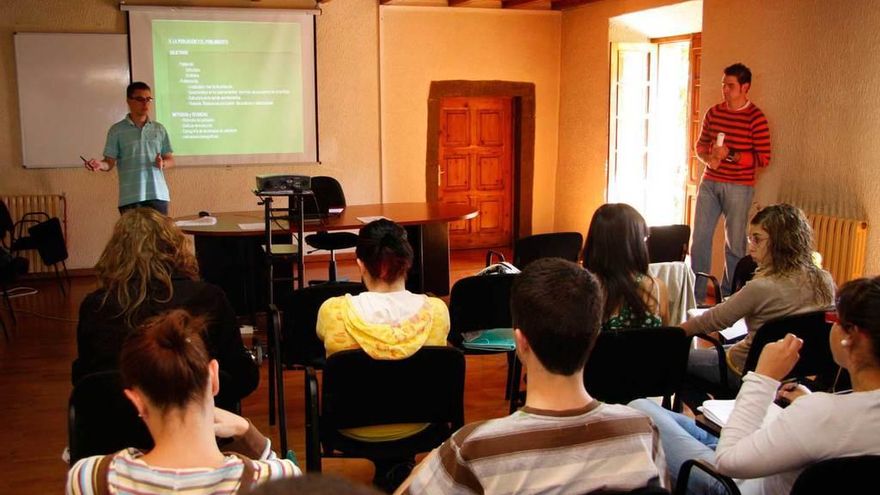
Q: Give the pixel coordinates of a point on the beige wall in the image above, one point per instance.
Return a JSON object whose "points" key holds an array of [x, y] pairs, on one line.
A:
{"points": [[348, 109], [583, 109], [423, 44], [816, 76]]}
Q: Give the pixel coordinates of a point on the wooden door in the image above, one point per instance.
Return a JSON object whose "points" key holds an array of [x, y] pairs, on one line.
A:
{"points": [[693, 176], [476, 169]]}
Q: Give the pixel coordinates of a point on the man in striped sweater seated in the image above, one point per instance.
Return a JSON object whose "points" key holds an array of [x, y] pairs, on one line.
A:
{"points": [[563, 440], [734, 143]]}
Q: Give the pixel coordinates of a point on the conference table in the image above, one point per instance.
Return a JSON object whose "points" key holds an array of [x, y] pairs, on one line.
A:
{"points": [[231, 256]]}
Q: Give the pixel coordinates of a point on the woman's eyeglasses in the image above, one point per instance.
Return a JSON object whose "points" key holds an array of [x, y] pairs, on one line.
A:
{"points": [[142, 99], [755, 239]]}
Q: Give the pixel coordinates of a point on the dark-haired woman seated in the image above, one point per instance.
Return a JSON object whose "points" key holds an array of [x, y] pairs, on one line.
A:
{"points": [[146, 268], [170, 378], [616, 251], [767, 456]]}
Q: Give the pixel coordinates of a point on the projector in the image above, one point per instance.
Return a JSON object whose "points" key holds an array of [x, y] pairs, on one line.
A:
{"points": [[283, 183]]}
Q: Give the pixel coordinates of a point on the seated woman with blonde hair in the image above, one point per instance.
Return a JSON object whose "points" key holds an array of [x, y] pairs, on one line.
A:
{"points": [[171, 380], [146, 268], [616, 251]]}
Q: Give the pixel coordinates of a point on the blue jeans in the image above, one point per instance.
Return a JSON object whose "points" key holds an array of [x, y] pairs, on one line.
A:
{"points": [[682, 439], [713, 200], [703, 363], [156, 204]]}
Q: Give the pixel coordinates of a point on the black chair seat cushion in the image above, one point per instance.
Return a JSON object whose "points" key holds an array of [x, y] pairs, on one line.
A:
{"points": [[332, 240]]}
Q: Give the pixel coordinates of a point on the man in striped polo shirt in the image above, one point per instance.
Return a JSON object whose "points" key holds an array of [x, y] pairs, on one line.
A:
{"points": [[732, 161], [563, 440], [140, 149]]}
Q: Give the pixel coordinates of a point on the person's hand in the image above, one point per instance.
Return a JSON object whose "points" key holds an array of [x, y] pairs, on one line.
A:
{"points": [[778, 358], [791, 391], [160, 162], [94, 165], [228, 425]]}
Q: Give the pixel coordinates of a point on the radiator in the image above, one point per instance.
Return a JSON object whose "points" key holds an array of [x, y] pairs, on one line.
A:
{"points": [[842, 242], [55, 205]]}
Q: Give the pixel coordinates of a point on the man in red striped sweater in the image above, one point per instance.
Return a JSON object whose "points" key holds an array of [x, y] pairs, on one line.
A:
{"points": [[732, 161]]}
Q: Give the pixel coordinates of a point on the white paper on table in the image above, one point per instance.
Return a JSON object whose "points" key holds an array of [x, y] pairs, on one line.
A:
{"points": [[198, 222], [733, 332], [252, 226], [372, 219]]}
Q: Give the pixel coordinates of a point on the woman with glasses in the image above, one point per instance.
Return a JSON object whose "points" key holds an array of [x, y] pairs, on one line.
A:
{"points": [[787, 282], [767, 456], [616, 251]]}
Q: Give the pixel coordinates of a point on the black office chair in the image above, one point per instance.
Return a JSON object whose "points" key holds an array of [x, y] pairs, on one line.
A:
{"points": [[565, 245], [723, 482], [300, 346], [357, 391], [45, 235], [482, 302], [328, 195], [815, 356], [101, 420], [742, 273], [668, 243], [633, 363], [841, 475]]}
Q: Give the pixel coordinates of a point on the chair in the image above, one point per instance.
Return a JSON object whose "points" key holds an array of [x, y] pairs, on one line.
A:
{"points": [[684, 473], [742, 273], [668, 243], [841, 475], [101, 420], [299, 344], [565, 245], [10, 268], [642, 362], [482, 302], [45, 235], [815, 354], [328, 195], [357, 390]]}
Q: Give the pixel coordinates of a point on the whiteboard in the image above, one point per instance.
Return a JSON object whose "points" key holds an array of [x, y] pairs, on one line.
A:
{"points": [[71, 89]]}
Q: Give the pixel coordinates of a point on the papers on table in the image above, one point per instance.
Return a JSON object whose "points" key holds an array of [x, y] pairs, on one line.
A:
{"points": [[495, 339], [735, 331], [197, 222], [718, 411], [371, 219], [252, 226]]}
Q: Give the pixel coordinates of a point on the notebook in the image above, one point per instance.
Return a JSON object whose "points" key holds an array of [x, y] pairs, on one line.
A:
{"points": [[718, 411], [494, 339], [735, 332]]}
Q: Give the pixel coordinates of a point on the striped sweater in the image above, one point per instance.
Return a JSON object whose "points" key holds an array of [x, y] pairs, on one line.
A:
{"points": [[600, 447], [746, 132]]}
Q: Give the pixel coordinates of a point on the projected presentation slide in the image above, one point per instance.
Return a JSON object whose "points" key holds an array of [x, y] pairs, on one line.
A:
{"points": [[229, 87]]}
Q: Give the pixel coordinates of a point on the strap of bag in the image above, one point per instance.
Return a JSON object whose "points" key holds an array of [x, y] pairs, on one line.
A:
{"points": [[247, 473], [100, 482]]}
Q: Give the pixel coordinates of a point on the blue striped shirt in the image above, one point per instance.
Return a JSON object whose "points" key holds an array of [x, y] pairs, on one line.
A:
{"points": [[134, 149]]}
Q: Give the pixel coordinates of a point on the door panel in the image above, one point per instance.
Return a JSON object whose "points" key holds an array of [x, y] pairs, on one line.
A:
{"points": [[476, 168]]}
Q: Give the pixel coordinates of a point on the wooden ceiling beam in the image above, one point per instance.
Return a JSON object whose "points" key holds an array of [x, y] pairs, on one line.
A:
{"points": [[526, 4], [567, 4]]}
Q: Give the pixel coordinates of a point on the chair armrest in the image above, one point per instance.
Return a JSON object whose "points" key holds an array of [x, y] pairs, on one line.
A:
{"points": [[312, 426], [685, 472], [490, 253], [715, 285], [722, 358]]}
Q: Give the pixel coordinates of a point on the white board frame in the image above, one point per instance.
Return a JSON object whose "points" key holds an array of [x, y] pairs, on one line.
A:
{"points": [[71, 89]]}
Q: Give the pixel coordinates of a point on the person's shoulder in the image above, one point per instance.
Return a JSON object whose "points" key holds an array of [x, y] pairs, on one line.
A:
{"points": [[121, 125], [335, 304], [270, 469]]}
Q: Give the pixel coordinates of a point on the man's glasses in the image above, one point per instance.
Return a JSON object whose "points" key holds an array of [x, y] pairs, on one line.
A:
{"points": [[142, 99]]}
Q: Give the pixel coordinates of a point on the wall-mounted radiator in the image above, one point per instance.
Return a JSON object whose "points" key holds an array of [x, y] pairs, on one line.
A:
{"points": [[55, 205], [842, 242]]}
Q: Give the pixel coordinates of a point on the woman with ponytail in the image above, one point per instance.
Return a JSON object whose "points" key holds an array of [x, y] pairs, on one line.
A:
{"points": [[170, 378]]}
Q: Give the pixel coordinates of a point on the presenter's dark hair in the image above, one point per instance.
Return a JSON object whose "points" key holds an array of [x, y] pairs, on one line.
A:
{"points": [[742, 73], [136, 86], [557, 305], [858, 306], [384, 250], [166, 359], [617, 253]]}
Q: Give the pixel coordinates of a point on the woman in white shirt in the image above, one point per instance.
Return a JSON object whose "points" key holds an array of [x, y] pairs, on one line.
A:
{"points": [[766, 459]]}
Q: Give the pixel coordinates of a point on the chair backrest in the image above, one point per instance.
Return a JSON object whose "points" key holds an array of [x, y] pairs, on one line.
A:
{"points": [[101, 419], [565, 245], [668, 243], [841, 475], [479, 302], [744, 271], [6, 223], [328, 194], [49, 240], [633, 363], [815, 354], [300, 344], [427, 387]]}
